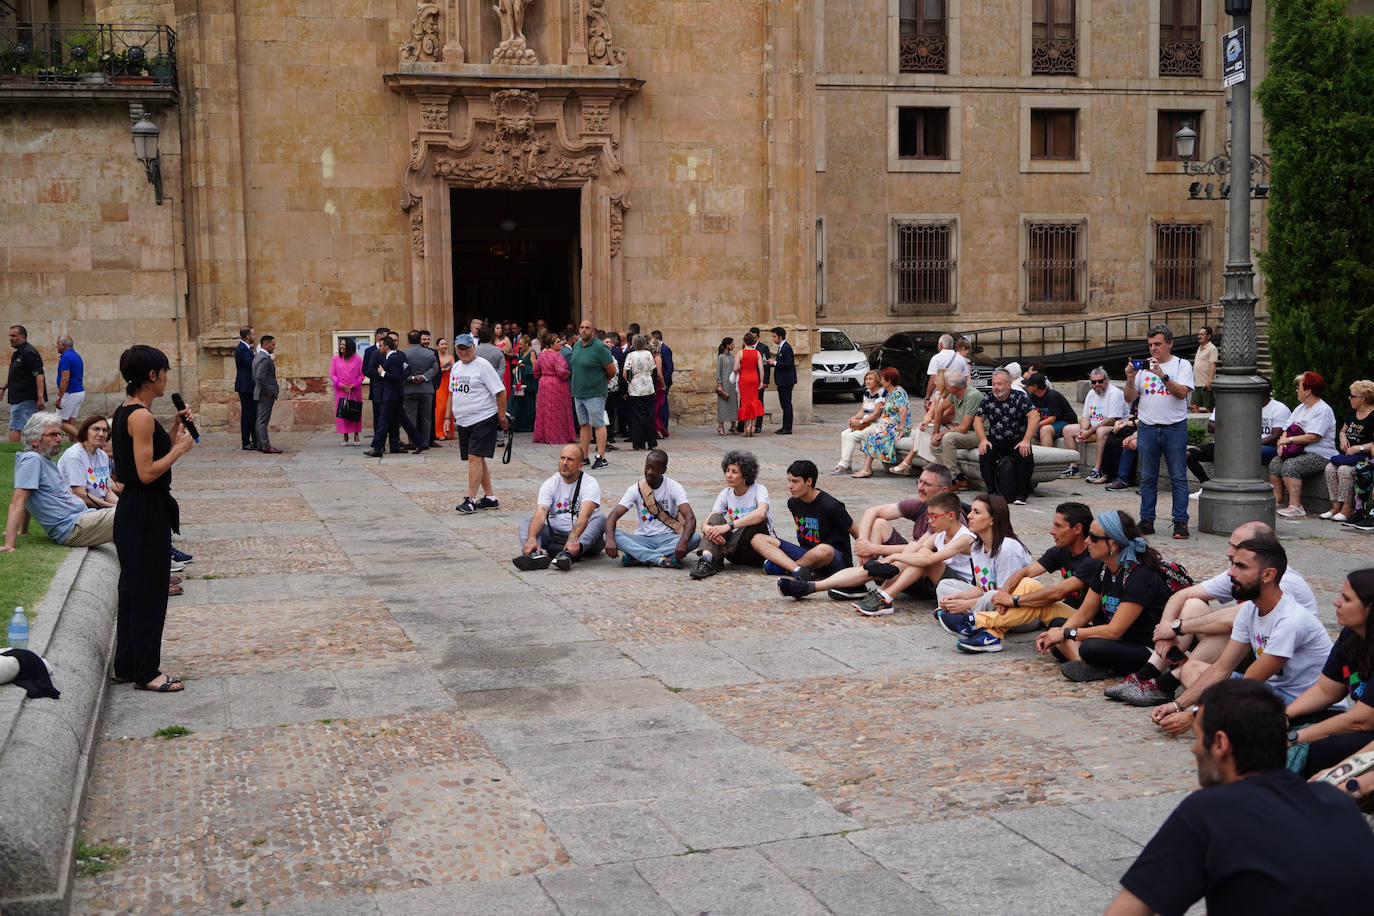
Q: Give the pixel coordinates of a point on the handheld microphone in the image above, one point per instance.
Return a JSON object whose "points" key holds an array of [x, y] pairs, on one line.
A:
{"points": [[180, 405]]}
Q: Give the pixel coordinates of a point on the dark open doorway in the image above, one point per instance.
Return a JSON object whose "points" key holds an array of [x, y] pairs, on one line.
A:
{"points": [[516, 256]]}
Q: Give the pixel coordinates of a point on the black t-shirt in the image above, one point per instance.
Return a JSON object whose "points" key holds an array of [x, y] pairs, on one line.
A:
{"points": [[25, 366], [1357, 431], [1139, 584], [824, 520], [1083, 567], [1268, 843], [1341, 667], [1054, 404]]}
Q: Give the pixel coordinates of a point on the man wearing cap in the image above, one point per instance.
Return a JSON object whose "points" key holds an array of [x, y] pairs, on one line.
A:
{"points": [[477, 404]]}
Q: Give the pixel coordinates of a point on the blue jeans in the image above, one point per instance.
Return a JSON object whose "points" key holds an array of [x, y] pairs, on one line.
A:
{"points": [[20, 413], [649, 548], [1172, 440]]}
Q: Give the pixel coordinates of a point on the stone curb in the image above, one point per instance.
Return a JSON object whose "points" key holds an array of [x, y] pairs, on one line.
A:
{"points": [[46, 745]]}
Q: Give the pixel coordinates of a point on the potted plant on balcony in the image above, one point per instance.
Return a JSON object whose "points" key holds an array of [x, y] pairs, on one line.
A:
{"points": [[160, 66], [82, 58], [133, 69]]}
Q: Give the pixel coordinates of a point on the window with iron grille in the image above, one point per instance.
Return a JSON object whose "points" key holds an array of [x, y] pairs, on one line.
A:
{"points": [[1181, 269], [1054, 133], [1055, 267], [923, 267], [1054, 37], [1180, 38], [923, 37], [923, 133], [1168, 124], [820, 266]]}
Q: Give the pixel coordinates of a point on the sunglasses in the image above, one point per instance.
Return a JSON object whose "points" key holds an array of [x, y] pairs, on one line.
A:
{"points": [[1096, 537]]}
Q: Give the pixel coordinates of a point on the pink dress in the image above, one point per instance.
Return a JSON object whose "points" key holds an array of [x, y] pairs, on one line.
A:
{"points": [[553, 417], [347, 376]]}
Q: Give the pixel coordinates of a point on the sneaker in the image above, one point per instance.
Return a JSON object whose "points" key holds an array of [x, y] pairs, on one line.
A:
{"points": [[1143, 693], [668, 563], [537, 560], [1180, 531], [1117, 485], [1366, 523], [600, 463], [177, 567], [794, 588], [1356, 518], [1294, 512], [1196, 494], [488, 502], [1325, 516], [848, 593], [875, 605], [704, 569], [979, 641], [1018, 502], [1118, 691], [955, 624], [563, 561], [1070, 471], [809, 574], [1080, 671], [181, 557], [627, 560], [467, 506], [1095, 476], [1338, 517], [586, 461], [960, 483], [880, 570], [1147, 526]]}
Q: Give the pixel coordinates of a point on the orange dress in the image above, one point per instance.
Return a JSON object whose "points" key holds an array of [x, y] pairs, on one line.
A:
{"points": [[443, 429], [750, 406]]}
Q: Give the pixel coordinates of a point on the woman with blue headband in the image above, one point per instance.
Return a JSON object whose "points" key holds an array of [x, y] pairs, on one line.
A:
{"points": [[1112, 631]]}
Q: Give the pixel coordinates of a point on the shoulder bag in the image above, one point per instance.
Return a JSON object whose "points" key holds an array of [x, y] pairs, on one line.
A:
{"points": [[647, 496]]}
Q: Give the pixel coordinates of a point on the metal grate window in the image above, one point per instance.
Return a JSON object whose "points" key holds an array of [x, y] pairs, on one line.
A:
{"points": [[1181, 268], [1055, 267], [1180, 38], [923, 267], [923, 37], [1054, 37], [820, 266]]}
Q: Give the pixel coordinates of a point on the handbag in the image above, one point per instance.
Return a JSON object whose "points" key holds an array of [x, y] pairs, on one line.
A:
{"points": [[1293, 448], [348, 410]]}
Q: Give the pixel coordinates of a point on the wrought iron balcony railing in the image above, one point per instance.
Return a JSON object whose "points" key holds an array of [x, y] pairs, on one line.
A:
{"points": [[49, 55]]}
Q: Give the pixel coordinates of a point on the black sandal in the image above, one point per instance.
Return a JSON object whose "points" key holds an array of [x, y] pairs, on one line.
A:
{"points": [[165, 686]]}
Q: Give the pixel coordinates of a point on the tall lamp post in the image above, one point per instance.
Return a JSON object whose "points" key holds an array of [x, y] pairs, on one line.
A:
{"points": [[1238, 491]]}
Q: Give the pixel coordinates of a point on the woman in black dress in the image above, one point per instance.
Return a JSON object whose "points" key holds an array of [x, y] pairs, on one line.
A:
{"points": [[145, 517]]}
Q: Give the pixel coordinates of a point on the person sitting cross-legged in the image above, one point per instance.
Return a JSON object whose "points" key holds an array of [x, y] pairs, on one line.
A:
{"points": [[740, 512], [567, 518], [942, 553], [996, 554], [823, 530], [1290, 645], [981, 620], [667, 528], [1102, 407]]}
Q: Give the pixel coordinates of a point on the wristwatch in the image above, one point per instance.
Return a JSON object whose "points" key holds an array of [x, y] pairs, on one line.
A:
{"points": [[732, 524], [1015, 600], [1071, 633], [1177, 626]]}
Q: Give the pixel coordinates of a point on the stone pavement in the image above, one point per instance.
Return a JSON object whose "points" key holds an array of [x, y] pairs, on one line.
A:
{"points": [[387, 717]]}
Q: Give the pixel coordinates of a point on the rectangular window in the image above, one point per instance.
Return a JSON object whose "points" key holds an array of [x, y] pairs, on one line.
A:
{"points": [[820, 266], [1169, 124], [923, 133], [1054, 37], [1180, 38], [1181, 269], [1054, 134], [1055, 268], [923, 267], [924, 37]]}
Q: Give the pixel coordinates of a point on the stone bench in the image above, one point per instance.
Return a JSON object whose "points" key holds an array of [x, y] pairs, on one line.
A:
{"points": [[1049, 462]]}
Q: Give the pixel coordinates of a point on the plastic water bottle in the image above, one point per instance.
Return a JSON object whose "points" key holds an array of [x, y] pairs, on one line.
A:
{"points": [[19, 629]]}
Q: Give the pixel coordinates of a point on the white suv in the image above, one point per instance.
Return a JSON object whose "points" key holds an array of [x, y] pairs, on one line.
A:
{"points": [[838, 366]]}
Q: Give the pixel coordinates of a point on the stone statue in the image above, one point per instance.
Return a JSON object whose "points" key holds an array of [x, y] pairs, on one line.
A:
{"points": [[512, 49]]}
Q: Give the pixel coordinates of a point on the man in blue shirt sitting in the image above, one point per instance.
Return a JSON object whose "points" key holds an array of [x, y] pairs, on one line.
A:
{"points": [[40, 491]]}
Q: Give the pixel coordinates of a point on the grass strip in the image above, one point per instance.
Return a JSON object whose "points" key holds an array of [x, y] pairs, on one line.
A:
{"points": [[25, 574]]}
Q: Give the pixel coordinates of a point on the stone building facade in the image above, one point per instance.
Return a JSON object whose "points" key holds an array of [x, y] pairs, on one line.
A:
{"points": [[698, 166]]}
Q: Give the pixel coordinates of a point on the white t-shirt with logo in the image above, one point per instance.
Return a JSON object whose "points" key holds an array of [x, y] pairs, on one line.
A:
{"points": [[734, 507], [960, 563], [557, 494], [1098, 407], [82, 469], [669, 496], [1157, 406], [473, 387], [989, 573], [1290, 632], [1273, 415]]}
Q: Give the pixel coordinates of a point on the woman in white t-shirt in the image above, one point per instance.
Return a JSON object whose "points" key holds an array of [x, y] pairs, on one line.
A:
{"points": [[1317, 441], [86, 468], [739, 513]]}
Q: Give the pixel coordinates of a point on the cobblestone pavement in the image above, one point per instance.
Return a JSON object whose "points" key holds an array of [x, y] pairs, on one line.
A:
{"points": [[386, 717]]}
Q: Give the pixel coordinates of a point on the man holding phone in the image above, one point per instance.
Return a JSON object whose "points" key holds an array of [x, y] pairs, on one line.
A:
{"points": [[1163, 383]]}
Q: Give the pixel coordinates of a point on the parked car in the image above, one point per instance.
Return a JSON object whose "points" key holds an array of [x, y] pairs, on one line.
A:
{"points": [[909, 352], [838, 367]]}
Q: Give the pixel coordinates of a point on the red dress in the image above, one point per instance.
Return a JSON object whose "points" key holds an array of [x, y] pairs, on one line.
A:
{"points": [[553, 416], [750, 407]]}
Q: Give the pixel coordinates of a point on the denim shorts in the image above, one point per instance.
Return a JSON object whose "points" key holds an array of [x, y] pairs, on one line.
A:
{"points": [[590, 411], [20, 413]]}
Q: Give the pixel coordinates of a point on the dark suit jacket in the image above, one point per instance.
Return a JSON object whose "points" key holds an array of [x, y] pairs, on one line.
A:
{"points": [[666, 354], [785, 367], [264, 376], [767, 369], [393, 383], [243, 362], [372, 358]]}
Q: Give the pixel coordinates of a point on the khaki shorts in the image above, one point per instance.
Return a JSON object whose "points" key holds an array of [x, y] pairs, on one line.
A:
{"points": [[93, 527]]}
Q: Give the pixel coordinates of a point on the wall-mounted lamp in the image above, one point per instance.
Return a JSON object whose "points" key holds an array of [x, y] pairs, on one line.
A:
{"points": [[146, 151]]}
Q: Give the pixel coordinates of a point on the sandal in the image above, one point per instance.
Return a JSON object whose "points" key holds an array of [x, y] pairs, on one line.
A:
{"points": [[861, 475], [164, 687], [174, 590], [902, 468]]}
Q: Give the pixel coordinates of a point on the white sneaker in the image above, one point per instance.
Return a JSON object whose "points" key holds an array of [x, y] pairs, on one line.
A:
{"points": [[1196, 493], [177, 567]]}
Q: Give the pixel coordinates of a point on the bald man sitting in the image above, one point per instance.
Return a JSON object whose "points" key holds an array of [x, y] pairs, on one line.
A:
{"points": [[567, 518]]}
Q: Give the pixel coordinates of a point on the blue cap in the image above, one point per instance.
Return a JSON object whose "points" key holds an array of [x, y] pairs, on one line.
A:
{"points": [[464, 340]]}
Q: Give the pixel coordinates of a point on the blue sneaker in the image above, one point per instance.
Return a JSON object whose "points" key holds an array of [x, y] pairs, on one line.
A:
{"points": [[979, 641], [181, 557], [955, 624]]}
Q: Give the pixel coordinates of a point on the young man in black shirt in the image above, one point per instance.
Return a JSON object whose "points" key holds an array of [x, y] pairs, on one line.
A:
{"points": [[823, 531], [1055, 410], [1257, 838]]}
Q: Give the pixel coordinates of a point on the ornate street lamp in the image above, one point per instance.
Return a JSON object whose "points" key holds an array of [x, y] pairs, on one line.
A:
{"points": [[1219, 166], [146, 151]]}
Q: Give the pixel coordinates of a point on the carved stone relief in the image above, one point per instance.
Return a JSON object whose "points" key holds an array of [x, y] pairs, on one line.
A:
{"points": [[619, 204], [415, 207], [600, 49], [517, 156], [434, 113], [596, 117], [424, 43], [512, 49]]}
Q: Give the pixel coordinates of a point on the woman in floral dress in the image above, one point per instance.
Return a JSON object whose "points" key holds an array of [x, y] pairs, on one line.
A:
{"points": [[880, 439]]}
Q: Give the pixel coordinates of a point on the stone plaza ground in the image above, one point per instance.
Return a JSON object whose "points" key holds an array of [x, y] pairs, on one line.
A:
{"points": [[387, 717]]}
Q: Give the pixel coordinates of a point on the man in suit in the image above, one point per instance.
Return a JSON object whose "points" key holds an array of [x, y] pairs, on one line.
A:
{"points": [[372, 361], [666, 354], [243, 386], [785, 377], [265, 391], [422, 368], [440, 378], [392, 373]]}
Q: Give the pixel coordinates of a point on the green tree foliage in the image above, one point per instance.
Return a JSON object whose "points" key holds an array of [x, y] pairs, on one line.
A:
{"points": [[1318, 102]]}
